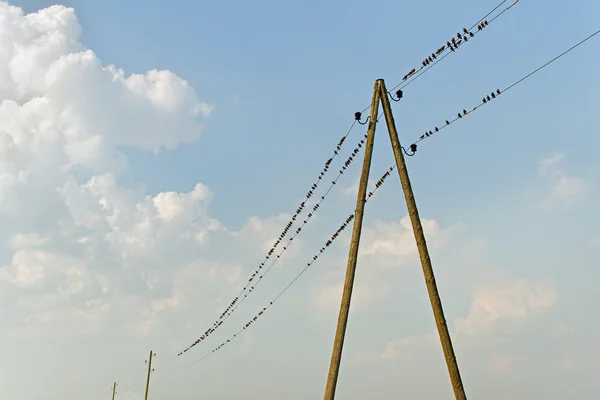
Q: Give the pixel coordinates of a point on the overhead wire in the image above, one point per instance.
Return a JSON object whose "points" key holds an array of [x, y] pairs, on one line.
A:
{"points": [[370, 194], [258, 274], [437, 56], [136, 381], [452, 45], [315, 257], [245, 291], [493, 95]]}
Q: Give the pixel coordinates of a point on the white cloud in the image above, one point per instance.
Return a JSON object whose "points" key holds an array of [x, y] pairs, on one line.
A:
{"points": [[492, 307], [565, 190], [595, 242], [85, 250], [550, 162], [395, 240], [385, 247], [24, 240], [500, 364], [327, 297], [491, 304]]}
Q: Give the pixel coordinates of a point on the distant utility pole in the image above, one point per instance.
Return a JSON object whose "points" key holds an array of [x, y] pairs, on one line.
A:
{"points": [[114, 390], [148, 378], [380, 94]]}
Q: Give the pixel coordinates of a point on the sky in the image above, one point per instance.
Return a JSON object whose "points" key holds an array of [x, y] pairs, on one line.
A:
{"points": [[152, 152]]}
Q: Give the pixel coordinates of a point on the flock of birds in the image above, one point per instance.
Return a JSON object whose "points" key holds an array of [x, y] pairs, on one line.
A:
{"points": [[451, 44], [260, 272], [262, 269], [484, 100], [328, 243]]}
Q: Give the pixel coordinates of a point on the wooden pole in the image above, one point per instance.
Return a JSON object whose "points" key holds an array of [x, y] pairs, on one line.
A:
{"points": [[434, 297], [148, 378], [114, 390], [338, 344]]}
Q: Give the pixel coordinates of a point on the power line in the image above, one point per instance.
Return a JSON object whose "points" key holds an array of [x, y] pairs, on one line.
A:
{"points": [[133, 383], [439, 55], [258, 274], [328, 243], [481, 24], [427, 64], [378, 185], [495, 94], [245, 291], [445, 50]]}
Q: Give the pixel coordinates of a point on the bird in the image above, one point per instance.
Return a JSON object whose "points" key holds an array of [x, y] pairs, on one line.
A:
{"points": [[465, 30]]}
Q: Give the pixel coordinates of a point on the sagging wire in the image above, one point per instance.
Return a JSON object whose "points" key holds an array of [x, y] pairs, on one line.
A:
{"points": [[314, 259]]}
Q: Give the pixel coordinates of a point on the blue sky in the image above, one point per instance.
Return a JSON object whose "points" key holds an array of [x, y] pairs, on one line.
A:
{"points": [[121, 252]]}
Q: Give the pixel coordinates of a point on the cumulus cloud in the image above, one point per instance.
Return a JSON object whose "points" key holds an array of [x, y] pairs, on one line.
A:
{"points": [[385, 247], [550, 162], [564, 189], [500, 364], [517, 300], [395, 239], [492, 306], [84, 251], [595, 242]]}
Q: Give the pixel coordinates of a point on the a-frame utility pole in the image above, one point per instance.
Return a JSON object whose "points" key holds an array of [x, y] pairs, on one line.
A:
{"points": [[380, 94], [148, 378]]}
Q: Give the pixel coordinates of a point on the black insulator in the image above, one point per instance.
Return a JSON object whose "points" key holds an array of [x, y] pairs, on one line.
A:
{"points": [[357, 116], [413, 148]]}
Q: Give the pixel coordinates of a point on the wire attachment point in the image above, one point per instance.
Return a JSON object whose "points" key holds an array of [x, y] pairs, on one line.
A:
{"points": [[358, 116], [399, 95], [413, 149]]}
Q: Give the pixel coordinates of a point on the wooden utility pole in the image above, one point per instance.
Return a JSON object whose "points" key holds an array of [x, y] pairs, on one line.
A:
{"points": [[338, 344], [148, 378], [114, 390], [434, 296], [380, 94]]}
